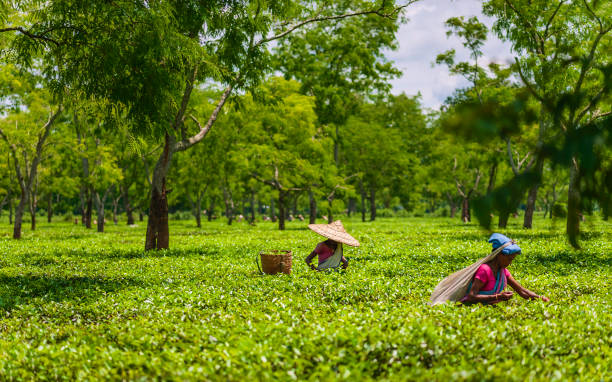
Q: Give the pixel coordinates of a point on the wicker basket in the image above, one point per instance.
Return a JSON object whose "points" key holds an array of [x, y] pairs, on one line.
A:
{"points": [[275, 261]]}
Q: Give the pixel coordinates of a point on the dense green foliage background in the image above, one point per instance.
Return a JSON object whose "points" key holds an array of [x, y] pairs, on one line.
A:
{"points": [[75, 304]]}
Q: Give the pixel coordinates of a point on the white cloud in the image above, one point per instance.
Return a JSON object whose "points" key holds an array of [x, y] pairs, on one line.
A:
{"points": [[423, 37]]}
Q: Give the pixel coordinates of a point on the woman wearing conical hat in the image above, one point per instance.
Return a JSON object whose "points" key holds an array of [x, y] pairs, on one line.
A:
{"points": [[330, 251]]}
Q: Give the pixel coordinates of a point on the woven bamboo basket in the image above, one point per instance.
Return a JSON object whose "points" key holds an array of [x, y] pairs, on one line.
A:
{"points": [[275, 261]]}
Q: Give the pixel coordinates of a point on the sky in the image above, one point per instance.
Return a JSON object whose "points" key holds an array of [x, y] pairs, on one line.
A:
{"points": [[423, 37]]}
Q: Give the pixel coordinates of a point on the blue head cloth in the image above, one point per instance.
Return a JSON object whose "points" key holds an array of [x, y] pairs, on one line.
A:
{"points": [[497, 239]]}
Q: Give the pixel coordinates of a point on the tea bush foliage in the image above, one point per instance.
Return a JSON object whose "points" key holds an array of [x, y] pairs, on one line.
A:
{"points": [[78, 305]]}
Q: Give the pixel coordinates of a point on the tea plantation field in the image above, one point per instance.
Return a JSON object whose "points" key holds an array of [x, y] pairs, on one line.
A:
{"points": [[78, 305]]}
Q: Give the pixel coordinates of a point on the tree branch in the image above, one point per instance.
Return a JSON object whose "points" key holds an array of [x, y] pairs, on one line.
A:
{"points": [[30, 34], [184, 144], [591, 104], [178, 119], [378, 11]]}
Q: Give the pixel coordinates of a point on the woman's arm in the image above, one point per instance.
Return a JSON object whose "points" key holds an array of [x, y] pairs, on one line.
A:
{"points": [[309, 259], [473, 295], [524, 292]]}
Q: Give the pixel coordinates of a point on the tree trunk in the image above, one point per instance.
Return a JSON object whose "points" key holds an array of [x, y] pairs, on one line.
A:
{"points": [[532, 196], [272, 212], [82, 204], [281, 210], [198, 211], [372, 204], [352, 206], [115, 206], [140, 215], [252, 203], [23, 201], [34, 204], [452, 205], [211, 210], [127, 206], [330, 213], [11, 210], [573, 204], [492, 176], [465, 210], [313, 208], [363, 203], [503, 219], [4, 201], [337, 147], [229, 205], [88, 209], [531, 201], [100, 212], [49, 207], [158, 234]]}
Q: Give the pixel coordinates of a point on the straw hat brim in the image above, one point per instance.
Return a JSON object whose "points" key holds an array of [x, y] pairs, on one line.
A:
{"points": [[331, 232]]}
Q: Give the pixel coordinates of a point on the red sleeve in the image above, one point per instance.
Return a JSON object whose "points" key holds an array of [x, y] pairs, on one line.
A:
{"points": [[483, 273], [506, 272], [318, 249]]}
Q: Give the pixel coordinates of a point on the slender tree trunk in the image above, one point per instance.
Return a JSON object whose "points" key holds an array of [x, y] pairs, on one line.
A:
{"points": [[313, 208], [11, 210], [33, 203], [127, 205], [530, 209], [115, 206], [229, 205], [19, 215], [330, 213], [252, 203], [452, 205], [352, 206], [33, 206], [532, 196], [82, 204], [211, 210], [6, 197], [337, 146], [573, 203], [140, 215], [198, 214], [503, 219], [272, 211], [281, 210], [465, 210], [100, 212], [158, 234], [372, 204], [88, 208], [492, 178], [49, 207], [363, 203]]}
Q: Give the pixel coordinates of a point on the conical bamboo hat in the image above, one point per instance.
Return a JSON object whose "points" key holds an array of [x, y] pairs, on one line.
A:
{"points": [[336, 232]]}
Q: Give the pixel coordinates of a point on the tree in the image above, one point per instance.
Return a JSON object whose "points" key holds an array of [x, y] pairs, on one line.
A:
{"points": [[149, 56], [25, 130], [563, 50], [282, 148]]}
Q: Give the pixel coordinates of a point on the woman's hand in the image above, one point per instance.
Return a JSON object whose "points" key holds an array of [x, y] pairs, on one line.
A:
{"points": [[505, 296], [544, 298]]}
